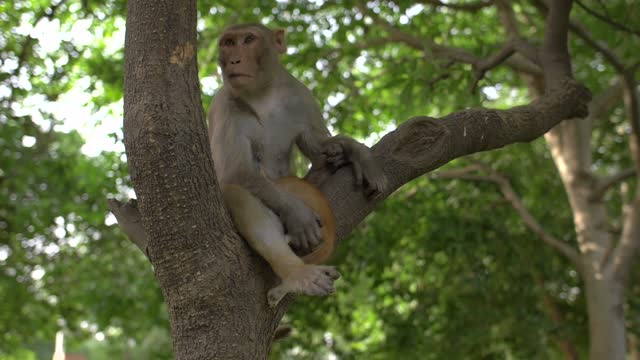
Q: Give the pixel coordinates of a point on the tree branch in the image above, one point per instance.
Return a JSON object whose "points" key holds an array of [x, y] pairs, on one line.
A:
{"points": [[482, 66], [606, 100], [554, 54], [626, 252], [130, 222], [578, 29], [512, 30], [606, 183], [429, 47], [607, 20], [423, 144], [470, 7], [512, 197]]}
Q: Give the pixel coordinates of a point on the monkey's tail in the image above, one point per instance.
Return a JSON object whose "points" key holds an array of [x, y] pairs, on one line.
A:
{"points": [[315, 199]]}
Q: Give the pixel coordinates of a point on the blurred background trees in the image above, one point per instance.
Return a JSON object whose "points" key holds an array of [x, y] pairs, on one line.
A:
{"points": [[444, 269]]}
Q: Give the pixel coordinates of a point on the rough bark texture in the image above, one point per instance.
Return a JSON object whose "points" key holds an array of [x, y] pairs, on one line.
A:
{"points": [[210, 279], [213, 284]]}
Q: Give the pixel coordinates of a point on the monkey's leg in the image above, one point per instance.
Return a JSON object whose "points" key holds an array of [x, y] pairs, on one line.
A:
{"points": [[263, 230]]}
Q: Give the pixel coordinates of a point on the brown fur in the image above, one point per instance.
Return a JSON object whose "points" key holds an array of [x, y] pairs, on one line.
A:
{"points": [[313, 198]]}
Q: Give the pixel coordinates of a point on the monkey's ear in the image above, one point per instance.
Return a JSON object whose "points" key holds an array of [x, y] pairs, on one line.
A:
{"points": [[281, 44]]}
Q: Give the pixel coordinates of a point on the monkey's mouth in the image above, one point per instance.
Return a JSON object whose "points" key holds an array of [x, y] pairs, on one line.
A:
{"points": [[237, 75]]}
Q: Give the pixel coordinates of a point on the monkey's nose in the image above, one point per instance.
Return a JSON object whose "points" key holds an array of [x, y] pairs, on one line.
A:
{"points": [[235, 62]]}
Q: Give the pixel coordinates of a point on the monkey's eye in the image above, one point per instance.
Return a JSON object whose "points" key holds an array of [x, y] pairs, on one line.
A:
{"points": [[227, 42], [249, 39]]}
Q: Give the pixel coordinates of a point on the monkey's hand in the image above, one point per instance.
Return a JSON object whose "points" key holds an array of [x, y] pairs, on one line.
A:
{"points": [[335, 155], [340, 151], [369, 175], [302, 224]]}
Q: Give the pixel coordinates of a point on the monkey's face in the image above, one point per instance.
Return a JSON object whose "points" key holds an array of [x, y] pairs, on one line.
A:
{"points": [[246, 58]]}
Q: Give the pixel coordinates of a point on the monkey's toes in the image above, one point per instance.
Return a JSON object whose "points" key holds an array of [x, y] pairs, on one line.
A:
{"points": [[314, 280]]}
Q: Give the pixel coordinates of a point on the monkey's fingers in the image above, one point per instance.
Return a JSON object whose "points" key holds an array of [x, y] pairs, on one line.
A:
{"points": [[311, 242], [325, 283], [301, 242], [315, 289], [337, 161]]}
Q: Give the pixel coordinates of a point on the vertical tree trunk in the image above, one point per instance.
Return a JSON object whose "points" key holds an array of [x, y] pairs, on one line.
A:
{"points": [[570, 144], [571, 151], [605, 298], [213, 285]]}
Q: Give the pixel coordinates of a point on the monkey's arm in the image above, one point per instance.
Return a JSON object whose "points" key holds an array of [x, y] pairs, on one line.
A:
{"points": [[337, 151]]}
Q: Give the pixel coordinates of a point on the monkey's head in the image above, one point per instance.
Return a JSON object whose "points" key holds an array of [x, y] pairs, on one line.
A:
{"points": [[248, 56]]}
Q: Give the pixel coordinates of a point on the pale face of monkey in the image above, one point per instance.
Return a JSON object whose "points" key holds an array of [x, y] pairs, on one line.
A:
{"points": [[248, 56]]}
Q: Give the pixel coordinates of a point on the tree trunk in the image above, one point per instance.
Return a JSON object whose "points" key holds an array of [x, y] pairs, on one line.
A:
{"points": [[209, 278], [570, 144], [605, 298]]}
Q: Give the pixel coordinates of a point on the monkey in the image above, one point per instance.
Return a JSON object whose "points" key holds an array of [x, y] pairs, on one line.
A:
{"points": [[256, 118]]}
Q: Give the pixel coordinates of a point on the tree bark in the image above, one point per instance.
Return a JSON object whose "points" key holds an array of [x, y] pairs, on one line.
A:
{"points": [[210, 280], [214, 286], [605, 299]]}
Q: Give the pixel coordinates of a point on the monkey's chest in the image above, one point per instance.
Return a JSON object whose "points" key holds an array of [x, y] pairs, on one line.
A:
{"points": [[271, 152]]}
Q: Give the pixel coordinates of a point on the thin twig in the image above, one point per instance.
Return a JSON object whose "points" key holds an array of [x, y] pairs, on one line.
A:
{"points": [[610, 181], [607, 20], [431, 48], [490, 175]]}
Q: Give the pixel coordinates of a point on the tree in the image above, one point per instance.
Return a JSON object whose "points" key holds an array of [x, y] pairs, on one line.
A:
{"points": [[603, 263], [211, 281]]}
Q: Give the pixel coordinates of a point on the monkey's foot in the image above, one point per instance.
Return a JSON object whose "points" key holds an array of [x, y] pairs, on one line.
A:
{"points": [[315, 280]]}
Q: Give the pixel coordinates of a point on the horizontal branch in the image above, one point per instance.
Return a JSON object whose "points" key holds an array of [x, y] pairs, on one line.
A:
{"points": [[460, 55], [423, 144], [469, 7], [468, 173]]}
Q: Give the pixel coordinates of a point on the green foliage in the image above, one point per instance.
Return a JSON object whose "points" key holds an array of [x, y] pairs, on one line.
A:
{"points": [[443, 269]]}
